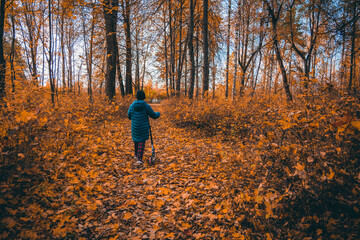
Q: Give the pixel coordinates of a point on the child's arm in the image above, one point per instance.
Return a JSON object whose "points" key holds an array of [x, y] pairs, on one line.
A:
{"points": [[151, 112], [129, 113]]}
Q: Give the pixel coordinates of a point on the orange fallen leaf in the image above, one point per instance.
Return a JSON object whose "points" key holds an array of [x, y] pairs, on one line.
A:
{"points": [[127, 216]]}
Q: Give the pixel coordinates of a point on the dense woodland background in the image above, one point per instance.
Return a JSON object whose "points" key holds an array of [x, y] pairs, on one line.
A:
{"points": [[259, 133], [221, 48]]}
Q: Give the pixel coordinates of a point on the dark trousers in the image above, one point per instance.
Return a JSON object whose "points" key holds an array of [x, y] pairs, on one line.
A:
{"points": [[139, 150]]}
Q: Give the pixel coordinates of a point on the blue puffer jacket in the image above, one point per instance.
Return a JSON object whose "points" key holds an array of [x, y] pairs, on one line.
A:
{"points": [[139, 112]]}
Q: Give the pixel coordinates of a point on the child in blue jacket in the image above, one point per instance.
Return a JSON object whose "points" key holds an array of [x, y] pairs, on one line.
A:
{"points": [[139, 112]]}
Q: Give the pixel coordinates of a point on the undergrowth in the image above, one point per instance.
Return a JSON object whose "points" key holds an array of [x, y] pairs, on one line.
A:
{"points": [[31, 125], [309, 149], [298, 171]]}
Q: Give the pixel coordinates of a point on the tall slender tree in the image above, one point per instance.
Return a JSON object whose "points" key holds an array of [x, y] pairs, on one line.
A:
{"points": [[110, 15], [31, 36], [251, 28], [355, 17], [181, 55], [118, 70], [205, 32], [274, 12], [191, 49], [2, 59], [128, 75], [314, 16], [228, 51], [50, 58], [166, 53], [12, 53], [236, 53]]}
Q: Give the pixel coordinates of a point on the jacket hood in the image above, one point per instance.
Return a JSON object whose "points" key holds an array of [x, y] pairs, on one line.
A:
{"points": [[139, 105]]}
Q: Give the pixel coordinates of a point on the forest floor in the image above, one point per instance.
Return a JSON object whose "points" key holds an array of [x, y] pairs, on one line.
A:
{"points": [[84, 185]]}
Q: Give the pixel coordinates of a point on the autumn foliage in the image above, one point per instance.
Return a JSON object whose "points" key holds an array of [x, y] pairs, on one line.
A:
{"points": [[255, 168], [303, 156]]}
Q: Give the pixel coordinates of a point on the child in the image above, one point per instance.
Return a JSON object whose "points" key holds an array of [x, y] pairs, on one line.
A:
{"points": [[139, 112]]}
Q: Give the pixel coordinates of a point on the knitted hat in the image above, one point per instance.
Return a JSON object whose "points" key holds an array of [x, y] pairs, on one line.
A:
{"points": [[140, 95]]}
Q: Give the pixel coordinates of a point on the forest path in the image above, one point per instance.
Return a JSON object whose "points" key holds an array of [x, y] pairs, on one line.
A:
{"points": [[193, 191], [84, 185]]}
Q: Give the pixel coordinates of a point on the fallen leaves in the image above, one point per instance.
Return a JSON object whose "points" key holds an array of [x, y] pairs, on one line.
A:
{"points": [[80, 182]]}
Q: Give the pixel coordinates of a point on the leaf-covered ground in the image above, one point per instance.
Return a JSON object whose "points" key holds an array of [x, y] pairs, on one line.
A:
{"points": [[74, 178]]}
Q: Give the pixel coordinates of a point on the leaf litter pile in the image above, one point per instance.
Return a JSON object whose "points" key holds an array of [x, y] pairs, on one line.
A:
{"points": [[67, 172]]}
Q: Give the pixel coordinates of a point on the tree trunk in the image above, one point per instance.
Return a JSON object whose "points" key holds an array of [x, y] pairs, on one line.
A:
{"points": [[197, 65], [186, 74], [50, 61], [166, 56], [205, 48], [213, 76], [274, 22], [137, 66], [2, 59], [172, 51], [89, 52], [351, 89], [90, 91], [180, 62], [283, 71], [12, 54], [30, 24], [256, 76], [306, 56], [118, 69], [128, 75], [228, 52], [70, 55], [110, 15], [62, 43], [237, 32], [191, 50]]}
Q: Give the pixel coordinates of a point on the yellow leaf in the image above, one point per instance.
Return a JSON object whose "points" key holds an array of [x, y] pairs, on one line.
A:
{"points": [[198, 235], [156, 227], [139, 231], [268, 210], [218, 207], [185, 195], [115, 227], [25, 116], [299, 167], [285, 124], [331, 174], [268, 236], [59, 231], [238, 236], [164, 191], [127, 216], [217, 228], [184, 226], [159, 203], [42, 121], [170, 235], [356, 124], [213, 185]]}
